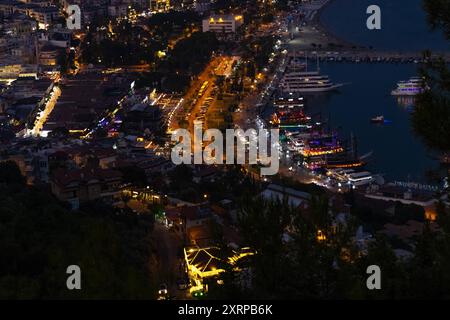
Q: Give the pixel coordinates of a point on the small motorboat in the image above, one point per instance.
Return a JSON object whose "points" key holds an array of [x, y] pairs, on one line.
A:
{"points": [[378, 119]]}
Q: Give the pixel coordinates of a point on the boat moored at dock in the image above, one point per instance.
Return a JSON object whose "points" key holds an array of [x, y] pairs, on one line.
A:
{"points": [[411, 87]]}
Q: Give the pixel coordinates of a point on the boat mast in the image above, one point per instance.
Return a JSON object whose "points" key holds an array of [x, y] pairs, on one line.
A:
{"points": [[306, 60], [318, 67], [293, 62], [354, 146]]}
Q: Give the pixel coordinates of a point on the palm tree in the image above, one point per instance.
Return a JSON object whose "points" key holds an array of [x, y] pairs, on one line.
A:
{"points": [[319, 210]]}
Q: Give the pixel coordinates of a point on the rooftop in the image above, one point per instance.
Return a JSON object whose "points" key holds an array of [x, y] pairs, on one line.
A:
{"points": [[83, 99], [65, 177]]}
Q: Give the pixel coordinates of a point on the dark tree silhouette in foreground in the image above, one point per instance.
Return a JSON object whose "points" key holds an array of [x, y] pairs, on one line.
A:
{"points": [[431, 117]]}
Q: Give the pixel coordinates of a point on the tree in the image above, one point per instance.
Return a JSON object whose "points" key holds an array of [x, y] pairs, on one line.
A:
{"points": [[156, 210], [431, 118], [63, 61], [180, 177], [262, 225], [393, 273], [40, 238], [134, 175], [443, 216], [319, 209], [438, 14], [125, 197], [251, 72], [10, 173]]}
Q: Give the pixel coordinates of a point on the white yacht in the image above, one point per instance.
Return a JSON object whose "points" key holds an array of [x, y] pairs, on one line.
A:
{"points": [[297, 78], [412, 87], [307, 82]]}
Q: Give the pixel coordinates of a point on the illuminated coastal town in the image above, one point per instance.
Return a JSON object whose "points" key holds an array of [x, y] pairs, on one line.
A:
{"points": [[94, 93]]}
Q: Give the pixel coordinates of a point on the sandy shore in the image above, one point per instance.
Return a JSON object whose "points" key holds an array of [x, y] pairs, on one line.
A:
{"points": [[329, 34], [317, 33]]}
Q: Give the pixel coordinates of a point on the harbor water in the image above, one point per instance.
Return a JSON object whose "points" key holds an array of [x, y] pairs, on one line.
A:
{"points": [[397, 151], [404, 26]]}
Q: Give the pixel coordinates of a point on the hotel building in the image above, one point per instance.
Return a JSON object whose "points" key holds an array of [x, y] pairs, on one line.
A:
{"points": [[222, 23]]}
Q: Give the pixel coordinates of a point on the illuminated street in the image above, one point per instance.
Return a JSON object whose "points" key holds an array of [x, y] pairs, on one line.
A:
{"points": [[43, 115]]}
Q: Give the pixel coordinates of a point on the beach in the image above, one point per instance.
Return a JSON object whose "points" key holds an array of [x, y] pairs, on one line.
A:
{"points": [[314, 35]]}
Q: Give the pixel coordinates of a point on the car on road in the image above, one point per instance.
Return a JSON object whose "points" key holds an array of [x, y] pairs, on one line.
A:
{"points": [[198, 294], [163, 290]]}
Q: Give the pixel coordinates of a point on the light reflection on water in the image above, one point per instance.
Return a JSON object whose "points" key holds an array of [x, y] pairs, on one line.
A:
{"points": [[406, 102]]}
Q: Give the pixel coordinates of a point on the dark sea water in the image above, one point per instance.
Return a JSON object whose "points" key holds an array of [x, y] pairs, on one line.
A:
{"points": [[397, 152], [403, 25]]}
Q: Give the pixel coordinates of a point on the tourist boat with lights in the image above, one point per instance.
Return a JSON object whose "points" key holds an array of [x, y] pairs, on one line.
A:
{"points": [[345, 159], [412, 87], [314, 162], [291, 119], [297, 79], [323, 145]]}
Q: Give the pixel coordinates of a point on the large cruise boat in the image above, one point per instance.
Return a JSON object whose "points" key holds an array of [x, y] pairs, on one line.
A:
{"points": [[412, 87], [306, 82]]}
